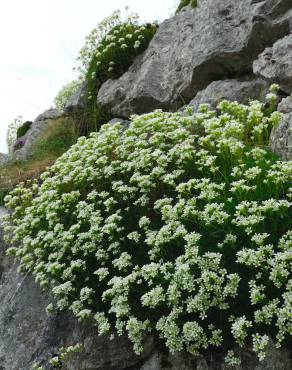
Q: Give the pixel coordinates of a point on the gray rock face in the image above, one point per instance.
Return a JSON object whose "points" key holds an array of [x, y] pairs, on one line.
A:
{"points": [[275, 64], [37, 128], [215, 40], [233, 90], [77, 102], [281, 136], [3, 158]]}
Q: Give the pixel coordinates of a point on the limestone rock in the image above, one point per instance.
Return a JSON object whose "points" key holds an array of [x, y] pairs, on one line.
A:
{"points": [[77, 103], [275, 64], [215, 40], [281, 136], [3, 158], [233, 90], [37, 128]]}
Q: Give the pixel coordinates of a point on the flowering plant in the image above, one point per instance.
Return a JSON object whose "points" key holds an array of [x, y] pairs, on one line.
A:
{"points": [[109, 51], [19, 143], [178, 225], [66, 93], [12, 132], [111, 47]]}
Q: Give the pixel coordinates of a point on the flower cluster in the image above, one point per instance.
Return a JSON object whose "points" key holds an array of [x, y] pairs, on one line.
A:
{"points": [[111, 55], [65, 94], [109, 51], [105, 43], [61, 361], [179, 225]]}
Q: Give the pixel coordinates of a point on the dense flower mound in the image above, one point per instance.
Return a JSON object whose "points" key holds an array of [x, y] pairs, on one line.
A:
{"points": [[110, 49], [177, 225], [114, 54]]}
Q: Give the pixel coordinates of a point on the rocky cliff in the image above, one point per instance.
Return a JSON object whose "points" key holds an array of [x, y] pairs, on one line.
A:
{"points": [[221, 49]]}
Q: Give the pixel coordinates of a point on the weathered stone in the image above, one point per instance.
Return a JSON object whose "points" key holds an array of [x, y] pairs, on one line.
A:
{"points": [[275, 64], [281, 136], [39, 125], [215, 40], [233, 90], [3, 158], [19, 143], [77, 103]]}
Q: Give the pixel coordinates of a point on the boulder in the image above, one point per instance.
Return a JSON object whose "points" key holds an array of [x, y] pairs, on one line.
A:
{"points": [[77, 103], [281, 136], [28, 141], [215, 40], [233, 90], [275, 64]]}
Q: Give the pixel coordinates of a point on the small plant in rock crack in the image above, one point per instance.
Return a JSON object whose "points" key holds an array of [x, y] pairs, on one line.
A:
{"points": [[62, 360]]}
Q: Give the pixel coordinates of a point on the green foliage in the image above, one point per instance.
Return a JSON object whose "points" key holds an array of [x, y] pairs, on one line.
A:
{"points": [[66, 93], [63, 359], [3, 193], [22, 130], [184, 3], [12, 132], [109, 51], [178, 225], [56, 140]]}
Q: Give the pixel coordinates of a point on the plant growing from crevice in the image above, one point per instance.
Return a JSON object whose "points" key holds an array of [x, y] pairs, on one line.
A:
{"points": [[12, 132], [23, 129], [184, 3], [109, 51], [66, 93], [63, 359]]}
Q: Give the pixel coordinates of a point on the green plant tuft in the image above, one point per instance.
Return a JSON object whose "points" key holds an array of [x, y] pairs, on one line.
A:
{"points": [[179, 226], [183, 3], [22, 130], [109, 51], [65, 94]]}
